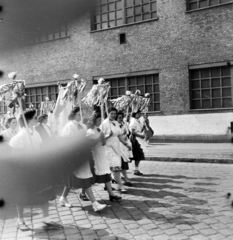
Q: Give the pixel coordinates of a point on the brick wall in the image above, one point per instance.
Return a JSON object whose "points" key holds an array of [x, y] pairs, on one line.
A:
{"points": [[171, 43]]}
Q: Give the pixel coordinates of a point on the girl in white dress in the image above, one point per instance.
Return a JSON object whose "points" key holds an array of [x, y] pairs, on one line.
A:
{"points": [[73, 131], [101, 164], [10, 132], [137, 139], [113, 136]]}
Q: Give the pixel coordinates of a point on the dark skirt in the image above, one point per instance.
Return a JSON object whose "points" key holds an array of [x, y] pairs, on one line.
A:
{"points": [[82, 183], [103, 178], [138, 153], [124, 165]]}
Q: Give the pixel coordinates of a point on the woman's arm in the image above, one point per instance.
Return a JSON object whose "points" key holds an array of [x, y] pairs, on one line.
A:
{"points": [[137, 134], [121, 138]]}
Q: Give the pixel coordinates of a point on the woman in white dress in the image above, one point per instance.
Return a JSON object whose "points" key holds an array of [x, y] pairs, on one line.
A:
{"points": [[113, 136], [26, 144], [101, 164], [10, 132], [137, 139], [74, 131]]}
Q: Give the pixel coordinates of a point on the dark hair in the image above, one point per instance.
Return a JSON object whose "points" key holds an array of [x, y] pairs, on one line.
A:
{"points": [[92, 120], [73, 112], [29, 114], [134, 113], [112, 109], [8, 121], [120, 114], [41, 118]]}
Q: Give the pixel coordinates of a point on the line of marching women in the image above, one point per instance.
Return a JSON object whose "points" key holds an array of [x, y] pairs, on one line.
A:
{"points": [[83, 154]]}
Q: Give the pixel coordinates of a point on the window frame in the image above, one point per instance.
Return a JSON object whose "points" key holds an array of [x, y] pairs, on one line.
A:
{"points": [[126, 77], [124, 24], [203, 8], [206, 66]]}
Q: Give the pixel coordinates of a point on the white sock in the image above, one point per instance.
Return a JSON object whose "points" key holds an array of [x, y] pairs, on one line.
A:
{"points": [[136, 168], [20, 220]]}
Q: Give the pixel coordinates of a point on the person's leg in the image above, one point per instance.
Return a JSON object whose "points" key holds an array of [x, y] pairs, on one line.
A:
{"points": [[109, 189], [137, 172], [96, 206], [63, 200], [21, 224], [83, 195], [124, 173], [117, 177], [66, 191]]}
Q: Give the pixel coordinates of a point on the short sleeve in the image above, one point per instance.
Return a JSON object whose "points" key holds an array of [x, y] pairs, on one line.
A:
{"points": [[133, 124], [105, 127], [91, 134], [67, 131]]}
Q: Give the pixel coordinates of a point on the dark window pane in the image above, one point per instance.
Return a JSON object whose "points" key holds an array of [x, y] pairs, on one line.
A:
{"points": [[132, 81], [132, 89], [216, 103], [111, 16], [119, 14], [193, 6], [141, 88], [195, 84], [215, 72], [104, 17], [156, 97], [226, 82], [213, 2], [38, 91], [129, 3], [156, 88], [226, 71], [63, 34], [113, 83], [146, 16], [226, 92], [225, 1], [206, 103], [140, 80], [122, 91], [203, 3], [111, 6], [216, 93], [98, 26], [129, 12], [151, 107], [103, 8], [145, 1], [149, 79], [50, 36], [195, 74], [137, 2], [33, 91], [196, 104], [156, 78], [114, 91], [129, 20], [205, 73], [205, 83], [121, 82], [112, 24], [57, 35], [148, 89], [154, 15], [196, 94], [215, 82], [205, 93], [119, 22], [39, 98], [104, 25], [138, 10], [145, 8], [103, 1], [138, 18], [153, 7], [227, 102], [157, 107], [119, 5], [33, 98]]}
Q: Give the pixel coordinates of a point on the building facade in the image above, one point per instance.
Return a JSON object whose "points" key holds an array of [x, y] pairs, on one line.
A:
{"points": [[179, 51]]}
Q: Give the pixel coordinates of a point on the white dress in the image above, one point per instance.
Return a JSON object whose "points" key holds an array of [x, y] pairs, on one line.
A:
{"points": [[22, 141], [112, 147], [71, 131], [8, 134], [98, 151]]}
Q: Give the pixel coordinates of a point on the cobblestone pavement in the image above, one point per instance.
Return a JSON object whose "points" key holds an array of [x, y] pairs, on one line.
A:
{"points": [[172, 201]]}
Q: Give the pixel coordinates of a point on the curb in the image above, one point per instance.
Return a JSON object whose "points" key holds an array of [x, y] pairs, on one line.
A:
{"points": [[192, 160]]}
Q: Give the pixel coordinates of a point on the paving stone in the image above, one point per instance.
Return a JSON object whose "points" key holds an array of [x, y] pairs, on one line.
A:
{"points": [[200, 226], [125, 236], [190, 232], [162, 237], [136, 232], [149, 226], [172, 231], [155, 232], [179, 237], [119, 231], [218, 226], [132, 226], [217, 237], [226, 232], [144, 237]]}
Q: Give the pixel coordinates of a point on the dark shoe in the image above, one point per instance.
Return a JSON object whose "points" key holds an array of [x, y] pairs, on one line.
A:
{"points": [[52, 225], [23, 227], [138, 173], [113, 189], [114, 181], [128, 184], [116, 198], [83, 197]]}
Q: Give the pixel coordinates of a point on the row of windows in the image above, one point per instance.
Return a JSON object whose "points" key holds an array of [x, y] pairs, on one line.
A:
{"points": [[210, 88], [198, 4]]}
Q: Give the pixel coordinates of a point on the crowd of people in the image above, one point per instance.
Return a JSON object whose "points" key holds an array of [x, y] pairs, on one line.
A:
{"points": [[112, 144]]}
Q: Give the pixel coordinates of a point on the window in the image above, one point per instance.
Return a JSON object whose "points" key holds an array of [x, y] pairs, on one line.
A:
{"points": [[112, 13], [146, 84], [50, 35], [197, 4], [37, 95], [211, 88]]}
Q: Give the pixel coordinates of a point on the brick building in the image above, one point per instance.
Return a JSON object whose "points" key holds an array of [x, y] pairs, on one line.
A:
{"points": [[180, 51]]}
